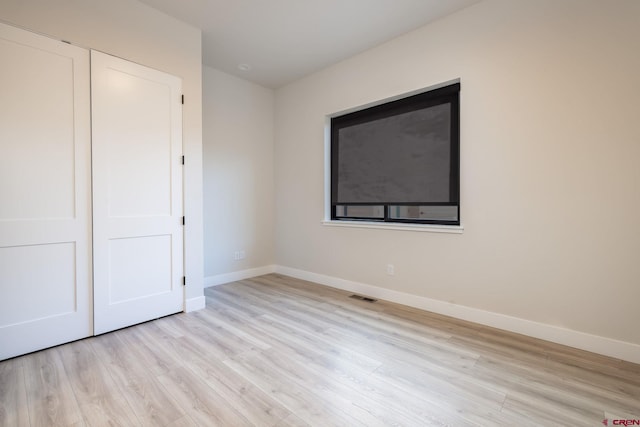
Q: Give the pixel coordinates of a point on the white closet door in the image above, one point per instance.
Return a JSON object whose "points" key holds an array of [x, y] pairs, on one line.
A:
{"points": [[45, 200], [137, 193]]}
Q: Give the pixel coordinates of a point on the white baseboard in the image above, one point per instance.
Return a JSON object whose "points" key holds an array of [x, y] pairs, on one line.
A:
{"points": [[194, 304], [238, 275], [593, 343]]}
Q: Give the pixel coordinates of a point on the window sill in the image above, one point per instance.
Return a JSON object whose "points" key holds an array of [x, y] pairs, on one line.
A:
{"points": [[452, 229]]}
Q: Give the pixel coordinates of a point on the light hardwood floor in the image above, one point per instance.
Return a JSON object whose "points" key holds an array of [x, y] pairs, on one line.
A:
{"points": [[276, 351]]}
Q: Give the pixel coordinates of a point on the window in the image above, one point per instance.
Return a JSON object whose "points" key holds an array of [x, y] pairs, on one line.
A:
{"points": [[399, 161]]}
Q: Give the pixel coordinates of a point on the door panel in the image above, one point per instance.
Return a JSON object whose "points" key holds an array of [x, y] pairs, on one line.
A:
{"points": [[137, 187], [140, 266], [50, 288], [45, 200], [146, 119], [45, 165]]}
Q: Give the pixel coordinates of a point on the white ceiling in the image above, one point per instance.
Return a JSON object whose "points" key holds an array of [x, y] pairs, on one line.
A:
{"points": [[283, 40]]}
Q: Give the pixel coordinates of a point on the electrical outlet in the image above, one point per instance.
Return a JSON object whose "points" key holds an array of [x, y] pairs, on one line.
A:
{"points": [[238, 255], [391, 270]]}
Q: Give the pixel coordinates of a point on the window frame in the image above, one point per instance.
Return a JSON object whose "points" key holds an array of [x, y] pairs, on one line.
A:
{"points": [[447, 93]]}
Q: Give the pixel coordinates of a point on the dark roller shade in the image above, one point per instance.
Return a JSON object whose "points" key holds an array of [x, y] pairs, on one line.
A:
{"points": [[398, 159]]}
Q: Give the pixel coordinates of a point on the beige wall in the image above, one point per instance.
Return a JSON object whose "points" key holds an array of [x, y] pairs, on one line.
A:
{"points": [[133, 31], [238, 174], [550, 179]]}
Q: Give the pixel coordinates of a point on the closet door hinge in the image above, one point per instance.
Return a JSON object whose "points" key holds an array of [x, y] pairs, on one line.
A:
{"points": [[184, 281], [183, 221], [183, 160], [182, 99]]}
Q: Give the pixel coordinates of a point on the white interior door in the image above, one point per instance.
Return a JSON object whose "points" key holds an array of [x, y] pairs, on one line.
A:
{"points": [[137, 193], [45, 200]]}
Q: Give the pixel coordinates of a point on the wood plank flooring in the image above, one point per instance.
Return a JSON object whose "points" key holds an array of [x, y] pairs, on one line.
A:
{"points": [[277, 351]]}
